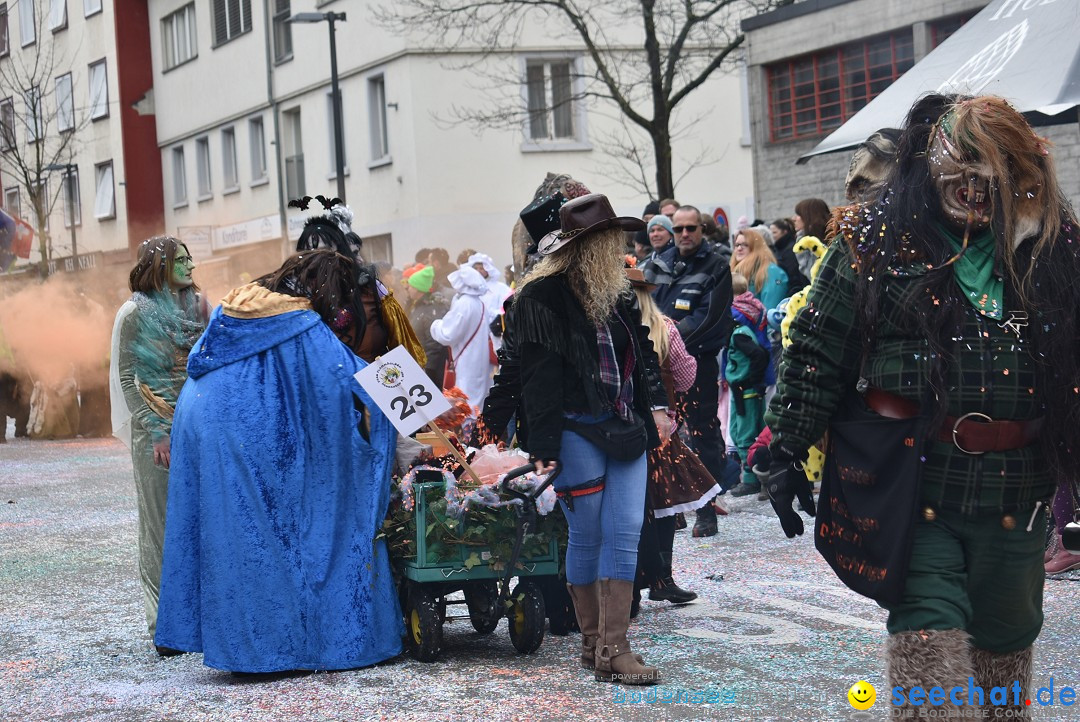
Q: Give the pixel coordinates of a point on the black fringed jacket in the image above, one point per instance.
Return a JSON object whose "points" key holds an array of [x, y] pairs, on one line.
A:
{"points": [[560, 363]]}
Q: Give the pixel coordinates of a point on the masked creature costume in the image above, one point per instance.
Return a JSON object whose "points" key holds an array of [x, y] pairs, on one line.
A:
{"points": [[280, 469], [952, 299]]}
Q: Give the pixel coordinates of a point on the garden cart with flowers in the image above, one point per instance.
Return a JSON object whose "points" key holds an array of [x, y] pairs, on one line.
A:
{"points": [[447, 536]]}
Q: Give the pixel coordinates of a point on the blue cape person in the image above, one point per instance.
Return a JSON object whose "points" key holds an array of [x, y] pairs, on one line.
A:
{"points": [[278, 485]]}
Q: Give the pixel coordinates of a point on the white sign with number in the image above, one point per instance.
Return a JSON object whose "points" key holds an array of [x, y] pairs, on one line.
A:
{"points": [[402, 391]]}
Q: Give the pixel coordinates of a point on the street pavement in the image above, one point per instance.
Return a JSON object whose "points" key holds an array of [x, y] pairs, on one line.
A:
{"points": [[773, 636]]}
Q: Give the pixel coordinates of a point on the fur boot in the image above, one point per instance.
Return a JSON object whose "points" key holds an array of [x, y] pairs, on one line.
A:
{"points": [[930, 658], [1003, 670]]}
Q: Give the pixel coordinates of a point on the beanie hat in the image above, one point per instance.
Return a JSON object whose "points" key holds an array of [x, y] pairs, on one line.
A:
{"points": [[651, 209], [423, 279], [742, 223], [660, 220]]}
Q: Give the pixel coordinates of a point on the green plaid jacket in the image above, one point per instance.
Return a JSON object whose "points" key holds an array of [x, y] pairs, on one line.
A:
{"points": [[993, 374]]}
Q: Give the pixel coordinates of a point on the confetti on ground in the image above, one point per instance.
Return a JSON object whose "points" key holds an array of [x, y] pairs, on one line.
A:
{"points": [[774, 636]]}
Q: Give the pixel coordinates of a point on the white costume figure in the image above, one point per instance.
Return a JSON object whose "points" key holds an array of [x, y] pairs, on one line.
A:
{"points": [[464, 329], [497, 291]]}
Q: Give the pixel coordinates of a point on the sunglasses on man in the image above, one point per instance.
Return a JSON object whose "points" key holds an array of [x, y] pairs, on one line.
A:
{"points": [[680, 229]]}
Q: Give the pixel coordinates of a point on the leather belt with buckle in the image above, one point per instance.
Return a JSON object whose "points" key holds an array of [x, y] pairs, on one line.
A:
{"points": [[972, 433]]}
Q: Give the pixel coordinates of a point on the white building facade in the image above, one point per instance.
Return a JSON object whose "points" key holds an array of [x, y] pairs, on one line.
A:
{"points": [[62, 128], [244, 123]]}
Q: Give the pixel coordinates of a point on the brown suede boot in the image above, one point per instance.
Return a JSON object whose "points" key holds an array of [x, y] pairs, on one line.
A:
{"points": [[930, 658], [1003, 670], [587, 609], [615, 661]]}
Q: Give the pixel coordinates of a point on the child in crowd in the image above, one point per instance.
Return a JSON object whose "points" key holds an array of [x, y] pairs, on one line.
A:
{"points": [[748, 371]]}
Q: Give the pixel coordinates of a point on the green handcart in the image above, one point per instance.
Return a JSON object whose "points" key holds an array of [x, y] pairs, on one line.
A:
{"points": [[426, 579]]}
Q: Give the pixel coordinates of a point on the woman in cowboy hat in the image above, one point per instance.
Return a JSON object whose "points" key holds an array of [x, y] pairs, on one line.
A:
{"points": [[594, 404]]}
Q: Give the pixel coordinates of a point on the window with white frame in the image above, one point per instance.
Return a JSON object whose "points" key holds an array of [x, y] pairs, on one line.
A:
{"points": [[65, 104], [57, 14], [231, 19], [105, 197], [257, 142], [13, 201], [330, 134], [7, 124], [549, 91], [91, 7], [228, 159], [202, 167], [4, 47], [72, 204], [27, 23], [178, 39], [43, 200], [35, 114], [282, 31], [380, 139], [179, 175], [99, 90]]}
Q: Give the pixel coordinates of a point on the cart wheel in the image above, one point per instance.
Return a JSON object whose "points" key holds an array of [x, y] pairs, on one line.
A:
{"points": [[526, 617], [481, 598], [423, 630]]}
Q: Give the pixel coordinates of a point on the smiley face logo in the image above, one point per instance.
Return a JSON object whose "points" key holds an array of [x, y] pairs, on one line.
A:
{"points": [[862, 695]]}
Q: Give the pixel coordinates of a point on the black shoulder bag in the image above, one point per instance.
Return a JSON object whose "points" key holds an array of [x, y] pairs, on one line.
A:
{"points": [[869, 498]]}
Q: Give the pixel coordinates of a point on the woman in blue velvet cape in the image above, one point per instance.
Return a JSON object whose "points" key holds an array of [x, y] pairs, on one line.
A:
{"points": [[279, 485]]}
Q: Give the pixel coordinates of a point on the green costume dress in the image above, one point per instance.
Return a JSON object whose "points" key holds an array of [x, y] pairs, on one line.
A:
{"points": [[152, 337]]}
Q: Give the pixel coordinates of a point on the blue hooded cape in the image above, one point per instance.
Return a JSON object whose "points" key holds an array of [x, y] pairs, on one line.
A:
{"points": [[275, 498]]}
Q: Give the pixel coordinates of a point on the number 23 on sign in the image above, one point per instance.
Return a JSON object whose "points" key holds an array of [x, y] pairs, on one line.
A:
{"points": [[402, 391]]}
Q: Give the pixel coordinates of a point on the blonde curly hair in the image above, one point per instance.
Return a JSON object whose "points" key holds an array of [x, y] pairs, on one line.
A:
{"points": [[593, 266]]}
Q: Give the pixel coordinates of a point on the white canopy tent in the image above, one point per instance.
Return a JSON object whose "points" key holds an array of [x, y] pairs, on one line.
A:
{"points": [[1026, 51]]}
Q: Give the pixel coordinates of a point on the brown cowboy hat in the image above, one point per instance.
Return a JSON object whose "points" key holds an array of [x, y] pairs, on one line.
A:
{"points": [[637, 279], [582, 216]]}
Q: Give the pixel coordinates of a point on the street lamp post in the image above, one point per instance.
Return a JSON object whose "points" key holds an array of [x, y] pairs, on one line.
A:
{"points": [[69, 170], [339, 142]]}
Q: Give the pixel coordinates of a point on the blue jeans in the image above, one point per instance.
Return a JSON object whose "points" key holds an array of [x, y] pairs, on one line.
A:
{"points": [[605, 526]]}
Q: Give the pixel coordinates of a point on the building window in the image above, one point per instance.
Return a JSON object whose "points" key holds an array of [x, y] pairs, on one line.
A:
{"points": [[549, 90], [814, 94], [4, 47], [65, 104], [257, 141], [105, 199], [179, 176], [99, 90], [35, 114], [330, 132], [228, 159], [7, 124], [13, 201], [72, 204], [202, 168], [57, 15], [231, 19], [380, 139], [940, 30], [27, 23], [282, 31], [91, 7], [178, 37], [294, 154]]}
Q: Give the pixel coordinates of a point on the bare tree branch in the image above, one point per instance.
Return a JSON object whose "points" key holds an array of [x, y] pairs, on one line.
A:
{"points": [[666, 49]]}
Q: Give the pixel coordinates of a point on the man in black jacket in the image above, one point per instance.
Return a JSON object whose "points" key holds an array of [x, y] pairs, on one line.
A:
{"points": [[694, 290]]}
